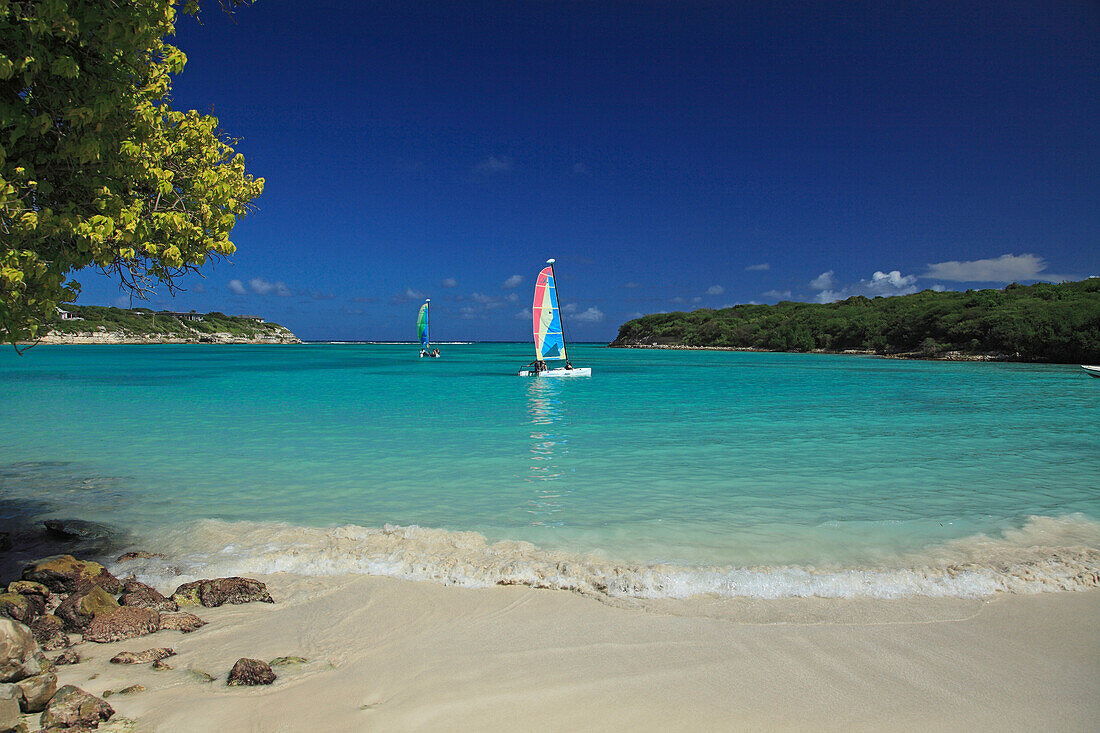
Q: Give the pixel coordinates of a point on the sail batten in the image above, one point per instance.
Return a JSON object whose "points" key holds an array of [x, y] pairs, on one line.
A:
{"points": [[546, 317]]}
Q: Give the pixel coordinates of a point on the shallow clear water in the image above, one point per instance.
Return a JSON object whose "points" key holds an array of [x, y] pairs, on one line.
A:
{"points": [[696, 459]]}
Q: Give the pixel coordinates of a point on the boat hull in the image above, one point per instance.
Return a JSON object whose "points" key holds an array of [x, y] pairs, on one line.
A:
{"points": [[1093, 371], [581, 372]]}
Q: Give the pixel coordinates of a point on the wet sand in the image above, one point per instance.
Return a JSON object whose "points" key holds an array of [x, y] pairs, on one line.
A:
{"points": [[387, 654]]}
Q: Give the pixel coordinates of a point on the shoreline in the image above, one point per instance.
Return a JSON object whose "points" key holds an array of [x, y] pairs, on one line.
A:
{"points": [[395, 654], [946, 356]]}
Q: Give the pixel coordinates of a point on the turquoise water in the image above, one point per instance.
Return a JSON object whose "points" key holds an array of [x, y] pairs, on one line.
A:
{"points": [[675, 463]]}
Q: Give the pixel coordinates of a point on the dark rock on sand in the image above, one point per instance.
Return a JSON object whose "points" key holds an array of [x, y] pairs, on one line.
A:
{"points": [[213, 593], [64, 574], [21, 608], [201, 676], [250, 672], [143, 657], [77, 529], [84, 605], [126, 622], [181, 621], [69, 656], [29, 588], [49, 632], [72, 707], [19, 655], [140, 555], [161, 666], [136, 593], [35, 692]]}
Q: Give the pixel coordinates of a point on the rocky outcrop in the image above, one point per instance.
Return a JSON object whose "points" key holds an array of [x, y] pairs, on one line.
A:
{"points": [[49, 632], [72, 707], [35, 692], [250, 672], [64, 574], [181, 621], [21, 608], [29, 588], [19, 655], [77, 529], [136, 593], [140, 555], [143, 657], [84, 605], [69, 656], [213, 593], [9, 707], [125, 622], [273, 335]]}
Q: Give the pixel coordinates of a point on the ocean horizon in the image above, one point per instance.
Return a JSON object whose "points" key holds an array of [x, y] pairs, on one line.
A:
{"points": [[667, 474]]}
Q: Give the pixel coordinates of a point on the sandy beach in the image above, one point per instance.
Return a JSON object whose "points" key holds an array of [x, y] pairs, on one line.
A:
{"points": [[388, 654]]}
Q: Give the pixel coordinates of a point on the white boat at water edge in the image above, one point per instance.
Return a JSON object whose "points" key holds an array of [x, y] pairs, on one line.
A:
{"points": [[549, 331], [1092, 370]]}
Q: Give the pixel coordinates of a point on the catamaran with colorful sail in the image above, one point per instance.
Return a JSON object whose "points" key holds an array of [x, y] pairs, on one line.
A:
{"points": [[423, 333], [549, 331]]}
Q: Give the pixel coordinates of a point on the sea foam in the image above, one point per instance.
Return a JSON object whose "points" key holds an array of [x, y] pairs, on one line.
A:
{"points": [[1044, 554]]}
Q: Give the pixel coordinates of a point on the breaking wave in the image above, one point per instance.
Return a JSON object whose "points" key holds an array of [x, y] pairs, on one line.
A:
{"points": [[1045, 554]]}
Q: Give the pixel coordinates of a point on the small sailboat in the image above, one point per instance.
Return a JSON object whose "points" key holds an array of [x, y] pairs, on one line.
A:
{"points": [[423, 333], [549, 331], [1093, 371]]}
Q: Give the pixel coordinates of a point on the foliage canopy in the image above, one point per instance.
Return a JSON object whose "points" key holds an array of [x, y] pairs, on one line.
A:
{"points": [[1041, 322], [96, 168]]}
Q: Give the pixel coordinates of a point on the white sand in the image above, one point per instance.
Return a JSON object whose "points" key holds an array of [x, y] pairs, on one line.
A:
{"points": [[389, 654]]}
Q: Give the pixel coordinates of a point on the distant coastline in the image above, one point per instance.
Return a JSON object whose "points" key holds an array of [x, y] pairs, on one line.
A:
{"points": [[1035, 323], [101, 325]]}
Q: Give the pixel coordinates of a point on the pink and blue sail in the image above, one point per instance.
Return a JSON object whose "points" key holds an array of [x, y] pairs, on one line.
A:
{"points": [[546, 316]]}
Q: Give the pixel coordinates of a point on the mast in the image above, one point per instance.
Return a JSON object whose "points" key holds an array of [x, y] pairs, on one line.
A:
{"points": [[561, 311], [428, 323]]}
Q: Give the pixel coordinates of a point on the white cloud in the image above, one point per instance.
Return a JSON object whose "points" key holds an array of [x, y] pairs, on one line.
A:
{"points": [[513, 282], [260, 286], [237, 287], [715, 290], [524, 314], [482, 298], [697, 299], [122, 301], [632, 285], [1003, 269], [581, 169], [569, 307], [592, 315], [780, 294], [512, 298], [883, 284], [678, 299], [494, 164], [449, 282], [755, 268], [824, 281]]}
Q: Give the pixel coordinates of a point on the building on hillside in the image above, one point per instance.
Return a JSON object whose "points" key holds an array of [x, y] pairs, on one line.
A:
{"points": [[254, 319], [67, 316], [189, 316]]}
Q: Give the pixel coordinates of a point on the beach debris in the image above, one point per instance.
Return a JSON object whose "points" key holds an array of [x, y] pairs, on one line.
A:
{"points": [[83, 606], [250, 672], [181, 621], [161, 666], [287, 661], [65, 574], [143, 657], [35, 692], [218, 591], [72, 707], [19, 655], [136, 593], [140, 555], [77, 529], [126, 622], [132, 690], [49, 632], [69, 656], [21, 608], [9, 707], [201, 676]]}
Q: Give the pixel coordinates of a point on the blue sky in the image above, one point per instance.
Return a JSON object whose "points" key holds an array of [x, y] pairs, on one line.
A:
{"points": [[669, 155]]}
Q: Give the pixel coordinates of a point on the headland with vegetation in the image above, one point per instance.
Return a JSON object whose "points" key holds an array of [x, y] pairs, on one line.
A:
{"points": [[93, 324], [1042, 322]]}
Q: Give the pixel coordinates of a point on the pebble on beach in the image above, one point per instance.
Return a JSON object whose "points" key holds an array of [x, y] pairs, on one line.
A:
{"points": [[143, 657], [250, 672]]}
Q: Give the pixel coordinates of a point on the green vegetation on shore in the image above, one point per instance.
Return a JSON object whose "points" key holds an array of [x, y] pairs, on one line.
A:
{"points": [[1041, 322], [144, 323]]}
